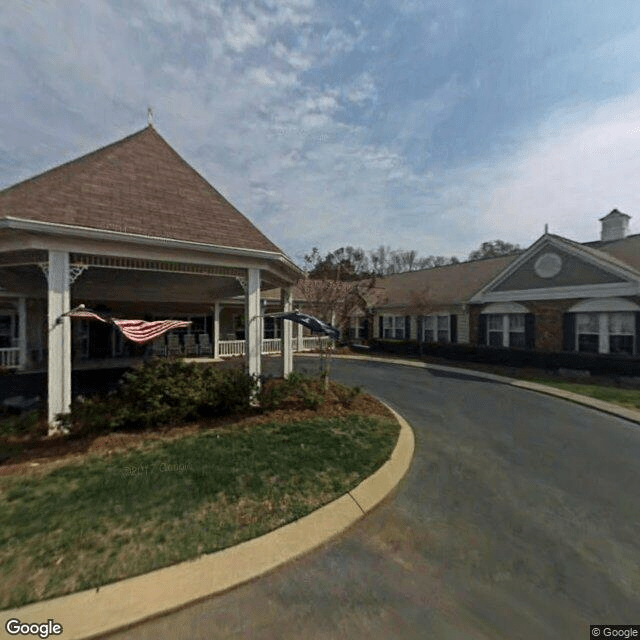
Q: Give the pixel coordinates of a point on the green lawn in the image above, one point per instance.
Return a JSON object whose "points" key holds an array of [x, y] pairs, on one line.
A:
{"points": [[85, 525], [629, 398]]}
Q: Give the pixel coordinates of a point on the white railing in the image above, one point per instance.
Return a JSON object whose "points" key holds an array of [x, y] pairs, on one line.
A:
{"points": [[271, 345], [308, 344], [10, 357], [230, 348]]}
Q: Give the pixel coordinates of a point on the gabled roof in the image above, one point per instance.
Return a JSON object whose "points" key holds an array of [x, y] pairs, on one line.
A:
{"points": [[138, 185], [441, 286], [625, 250], [602, 259], [602, 256]]}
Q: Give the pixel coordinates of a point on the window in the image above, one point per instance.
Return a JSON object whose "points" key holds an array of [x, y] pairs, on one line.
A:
{"points": [[429, 328], [443, 328], [495, 327], [506, 330], [393, 327], [588, 332], [358, 328], [516, 330], [271, 328], [606, 332], [7, 323], [621, 332]]}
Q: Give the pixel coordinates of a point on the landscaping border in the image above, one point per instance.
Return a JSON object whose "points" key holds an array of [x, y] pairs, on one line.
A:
{"points": [[120, 605]]}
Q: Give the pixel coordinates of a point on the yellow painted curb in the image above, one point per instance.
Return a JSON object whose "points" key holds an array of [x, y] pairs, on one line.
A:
{"points": [[91, 613]]}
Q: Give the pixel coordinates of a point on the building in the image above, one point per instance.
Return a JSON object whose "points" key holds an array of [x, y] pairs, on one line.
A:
{"points": [[133, 231], [557, 295]]}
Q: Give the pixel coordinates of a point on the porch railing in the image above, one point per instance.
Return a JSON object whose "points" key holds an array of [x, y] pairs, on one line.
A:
{"points": [[10, 358], [230, 348]]}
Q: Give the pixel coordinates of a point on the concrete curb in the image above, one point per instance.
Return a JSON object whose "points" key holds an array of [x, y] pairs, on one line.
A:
{"points": [[600, 405], [92, 613]]}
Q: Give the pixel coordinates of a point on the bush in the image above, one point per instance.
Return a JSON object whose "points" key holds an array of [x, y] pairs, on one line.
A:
{"points": [[164, 392], [297, 388], [549, 360]]}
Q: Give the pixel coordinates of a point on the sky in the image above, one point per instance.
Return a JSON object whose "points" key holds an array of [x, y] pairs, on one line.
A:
{"points": [[432, 125]]}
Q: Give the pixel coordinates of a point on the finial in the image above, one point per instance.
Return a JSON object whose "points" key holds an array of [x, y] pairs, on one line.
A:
{"points": [[150, 116], [546, 228]]}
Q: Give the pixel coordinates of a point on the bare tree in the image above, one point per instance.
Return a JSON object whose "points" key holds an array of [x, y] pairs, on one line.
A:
{"points": [[334, 302]]}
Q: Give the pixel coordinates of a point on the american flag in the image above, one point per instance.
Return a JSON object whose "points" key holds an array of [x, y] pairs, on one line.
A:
{"points": [[139, 331]]}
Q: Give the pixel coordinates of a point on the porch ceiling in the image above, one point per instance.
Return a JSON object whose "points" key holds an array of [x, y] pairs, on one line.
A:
{"points": [[117, 277], [108, 284]]}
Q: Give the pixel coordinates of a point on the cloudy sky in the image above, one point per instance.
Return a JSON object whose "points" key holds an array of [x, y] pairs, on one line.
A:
{"points": [[432, 125]]}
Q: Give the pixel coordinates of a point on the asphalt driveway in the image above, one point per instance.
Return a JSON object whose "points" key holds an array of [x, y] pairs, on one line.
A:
{"points": [[520, 518]]}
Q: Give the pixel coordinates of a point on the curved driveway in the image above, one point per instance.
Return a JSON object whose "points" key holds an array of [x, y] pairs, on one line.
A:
{"points": [[520, 518]]}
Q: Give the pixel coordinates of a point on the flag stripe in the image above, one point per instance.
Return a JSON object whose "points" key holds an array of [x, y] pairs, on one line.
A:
{"points": [[86, 314], [141, 331]]}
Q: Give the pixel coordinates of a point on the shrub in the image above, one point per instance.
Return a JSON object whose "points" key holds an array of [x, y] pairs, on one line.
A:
{"points": [[164, 392]]}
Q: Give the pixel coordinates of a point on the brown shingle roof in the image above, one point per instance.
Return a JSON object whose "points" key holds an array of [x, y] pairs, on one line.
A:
{"points": [[137, 185], [626, 250], [442, 286]]}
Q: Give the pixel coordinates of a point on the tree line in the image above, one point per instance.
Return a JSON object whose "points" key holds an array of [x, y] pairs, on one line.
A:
{"points": [[354, 263]]}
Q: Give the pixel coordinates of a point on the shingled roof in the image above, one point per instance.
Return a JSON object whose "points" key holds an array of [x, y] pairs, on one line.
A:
{"points": [[138, 185], [443, 286]]}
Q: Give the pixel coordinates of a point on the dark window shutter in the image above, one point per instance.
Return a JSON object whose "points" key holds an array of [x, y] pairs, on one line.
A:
{"points": [[420, 335], [529, 331], [380, 328], [569, 332], [407, 327], [453, 318], [638, 333], [366, 329], [482, 329]]}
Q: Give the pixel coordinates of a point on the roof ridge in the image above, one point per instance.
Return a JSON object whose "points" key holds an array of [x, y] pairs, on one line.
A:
{"points": [[74, 161]]}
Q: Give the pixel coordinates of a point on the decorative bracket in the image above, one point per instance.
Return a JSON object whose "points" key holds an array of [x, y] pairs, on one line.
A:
{"points": [[243, 282], [75, 270]]}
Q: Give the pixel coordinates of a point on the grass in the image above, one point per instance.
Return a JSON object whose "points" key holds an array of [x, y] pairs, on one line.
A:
{"points": [[629, 398], [605, 389], [85, 525]]}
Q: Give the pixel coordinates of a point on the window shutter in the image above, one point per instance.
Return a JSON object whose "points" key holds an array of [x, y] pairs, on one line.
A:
{"points": [[453, 335], [407, 327], [529, 331], [637, 333], [420, 335], [482, 329], [380, 328], [569, 332]]}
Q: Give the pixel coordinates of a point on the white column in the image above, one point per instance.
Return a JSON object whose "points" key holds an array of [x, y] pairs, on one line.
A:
{"points": [[287, 334], [253, 322], [22, 333], [216, 330], [59, 368], [300, 336]]}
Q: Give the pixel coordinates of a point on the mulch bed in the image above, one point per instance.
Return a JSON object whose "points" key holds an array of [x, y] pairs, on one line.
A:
{"points": [[33, 456]]}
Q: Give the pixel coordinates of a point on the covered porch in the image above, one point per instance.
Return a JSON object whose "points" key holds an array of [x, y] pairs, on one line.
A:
{"points": [[44, 275]]}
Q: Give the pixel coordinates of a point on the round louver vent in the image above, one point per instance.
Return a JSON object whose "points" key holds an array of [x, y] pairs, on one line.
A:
{"points": [[548, 265]]}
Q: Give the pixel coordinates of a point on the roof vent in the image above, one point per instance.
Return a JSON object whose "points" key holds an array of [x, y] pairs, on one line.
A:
{"points": [[615, 226]]}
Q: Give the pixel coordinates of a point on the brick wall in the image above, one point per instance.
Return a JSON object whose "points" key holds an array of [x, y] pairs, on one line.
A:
{"points": [[548, 324]]}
